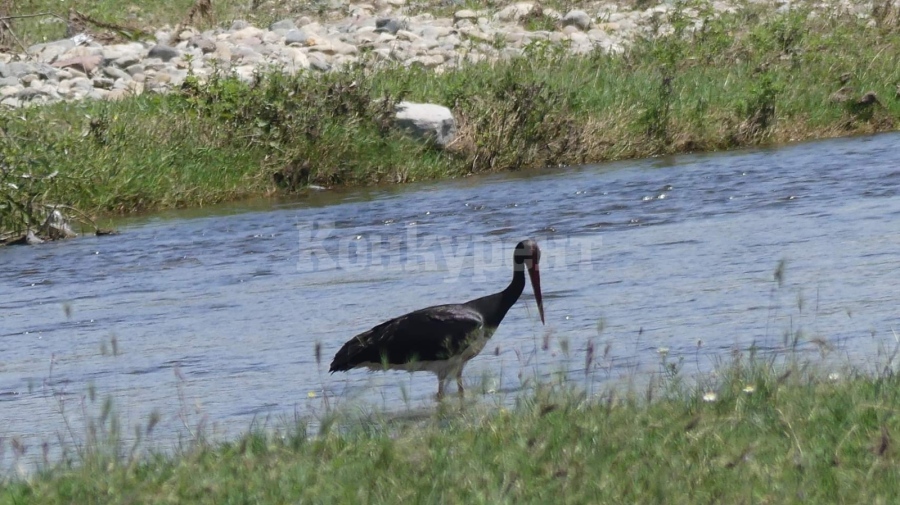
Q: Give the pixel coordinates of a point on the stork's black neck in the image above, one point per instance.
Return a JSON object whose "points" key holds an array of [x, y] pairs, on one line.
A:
{"points": [[493, 308]]}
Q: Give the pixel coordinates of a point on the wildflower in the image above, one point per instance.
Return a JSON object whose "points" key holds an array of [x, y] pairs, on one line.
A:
{"points": [[749, 388], [663, 351], [710, 396], [834, 376], [311, 394]]}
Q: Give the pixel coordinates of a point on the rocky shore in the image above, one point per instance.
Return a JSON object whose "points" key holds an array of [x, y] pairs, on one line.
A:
{"points": [[79, 67]]}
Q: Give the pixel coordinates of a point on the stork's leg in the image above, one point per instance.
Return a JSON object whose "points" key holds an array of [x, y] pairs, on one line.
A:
{"points": [[441, 380], [459, 382]]}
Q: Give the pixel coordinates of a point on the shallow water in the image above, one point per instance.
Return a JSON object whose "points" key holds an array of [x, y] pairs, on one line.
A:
{"points": [[212, 316]]}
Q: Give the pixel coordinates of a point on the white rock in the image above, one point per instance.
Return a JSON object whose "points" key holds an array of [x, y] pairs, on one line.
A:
{"points": [[427, 61], [6, 91], [407, 35], [296, 59], [427, 120], [435, 32], [246, 33], [515, 12]]}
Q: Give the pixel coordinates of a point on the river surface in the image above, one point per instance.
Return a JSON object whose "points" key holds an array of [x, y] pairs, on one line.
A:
{"points": [[211, 317]]}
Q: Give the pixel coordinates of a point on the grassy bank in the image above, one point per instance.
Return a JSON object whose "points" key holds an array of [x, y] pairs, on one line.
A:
{"points": [[758, 434], [744, 79]]}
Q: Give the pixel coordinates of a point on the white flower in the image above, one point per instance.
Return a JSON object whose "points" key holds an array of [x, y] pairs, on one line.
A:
{"points": [[834, 376], [710, 396], [663, 350], [749, 389]]}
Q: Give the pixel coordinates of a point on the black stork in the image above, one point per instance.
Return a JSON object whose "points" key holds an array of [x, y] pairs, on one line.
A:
{"points": [[443, 338]]}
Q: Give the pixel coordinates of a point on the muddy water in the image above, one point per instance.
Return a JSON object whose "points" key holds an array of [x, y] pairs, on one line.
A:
{"points": [[211, 317]]}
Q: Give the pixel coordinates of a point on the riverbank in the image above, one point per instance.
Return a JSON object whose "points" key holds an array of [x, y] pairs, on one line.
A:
{"points": [[791, 433], [702, 79]]}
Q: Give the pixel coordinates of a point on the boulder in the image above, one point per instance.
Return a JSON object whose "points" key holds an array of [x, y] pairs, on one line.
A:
{"points": [[427, 121], [577, 18], [165, 53]]}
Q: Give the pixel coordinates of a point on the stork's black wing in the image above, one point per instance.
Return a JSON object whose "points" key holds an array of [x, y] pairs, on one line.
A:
{"points": [[434, 333]]}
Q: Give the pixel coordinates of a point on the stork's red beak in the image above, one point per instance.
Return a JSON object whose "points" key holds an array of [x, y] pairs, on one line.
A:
{"points": [[535, 275]]}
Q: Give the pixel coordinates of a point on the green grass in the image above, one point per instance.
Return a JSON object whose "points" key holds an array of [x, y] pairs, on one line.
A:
{"points": [[773, 434], [751, 78]]}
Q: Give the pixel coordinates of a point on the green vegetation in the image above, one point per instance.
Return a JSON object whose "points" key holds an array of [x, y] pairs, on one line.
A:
{"points": [[128, 20], [744, 79], [760, 433]]}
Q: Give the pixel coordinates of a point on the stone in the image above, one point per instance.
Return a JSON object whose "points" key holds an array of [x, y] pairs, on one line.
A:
{"points": [[82, 83], [32, 239], [6, 91], [436, 32], [117, 94], [245, 55], [389, 25], [245, 73], [577, 18], [318, 62], [251, 32], [127, 60], [116, 73], [205, 44], [223, 51], [164, 53], [296, 59], [407, 36], [134, 70], [427, 61], [29, 94], [177, 76], [284, 24], [187, 34], [313, 28], [464, 14], [47, 72], [116, 51], [50, 50], [85, 64], [103, 82], [97, 94], [427, 121], [515, 12], [17, 69], [295, 37]]}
